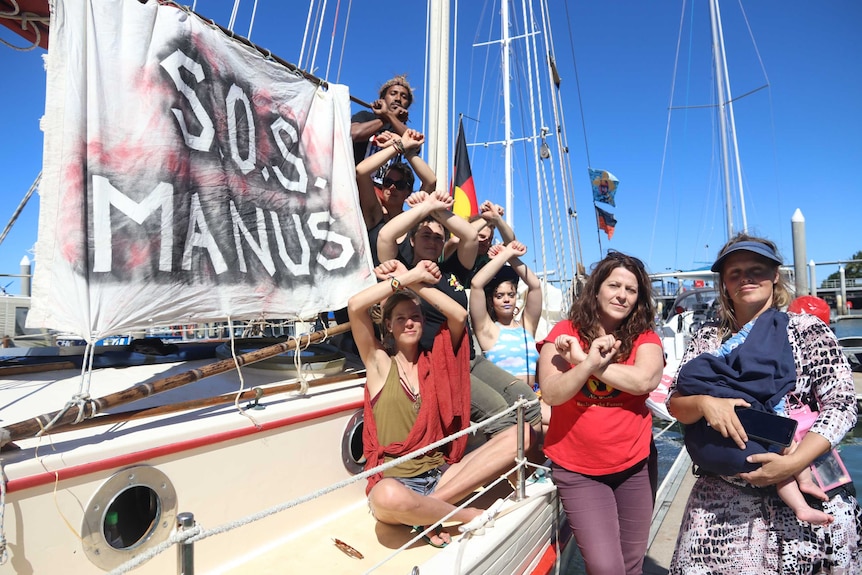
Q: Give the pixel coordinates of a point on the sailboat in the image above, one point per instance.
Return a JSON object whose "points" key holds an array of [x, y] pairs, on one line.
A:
{"points": [[176, 191]]}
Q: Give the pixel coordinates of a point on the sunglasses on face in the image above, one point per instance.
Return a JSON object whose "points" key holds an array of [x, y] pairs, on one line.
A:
{"points": [[400, 185]]}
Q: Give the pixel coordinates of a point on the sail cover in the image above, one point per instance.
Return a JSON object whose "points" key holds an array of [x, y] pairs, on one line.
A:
{"points": [[187, 178]]}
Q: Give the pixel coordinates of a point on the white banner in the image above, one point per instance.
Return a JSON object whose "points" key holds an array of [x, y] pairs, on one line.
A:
{"points": [[187, 178]]}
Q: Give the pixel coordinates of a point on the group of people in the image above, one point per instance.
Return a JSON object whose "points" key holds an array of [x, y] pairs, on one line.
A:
{"points": [[438, 358]]}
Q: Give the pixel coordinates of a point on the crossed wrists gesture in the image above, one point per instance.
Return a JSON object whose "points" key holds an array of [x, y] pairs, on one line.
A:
{"points": [[437, 200], [426, 272], [602, 352], [490, 212], [513, 249]]}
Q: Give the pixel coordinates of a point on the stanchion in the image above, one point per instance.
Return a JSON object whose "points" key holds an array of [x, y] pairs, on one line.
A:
{"points": [[522, 471], [186, 550]]}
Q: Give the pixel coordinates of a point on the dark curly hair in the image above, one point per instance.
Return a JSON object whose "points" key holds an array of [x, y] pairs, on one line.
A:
{"points": [[400, 80], [584, 313]]}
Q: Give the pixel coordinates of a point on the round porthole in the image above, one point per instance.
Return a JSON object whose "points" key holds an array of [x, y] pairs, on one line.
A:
{"points": [[351, 444], [134, 510]]}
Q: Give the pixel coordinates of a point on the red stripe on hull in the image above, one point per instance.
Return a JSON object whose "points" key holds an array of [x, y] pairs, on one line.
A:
{"points": [[546, 562], [169, 449]]}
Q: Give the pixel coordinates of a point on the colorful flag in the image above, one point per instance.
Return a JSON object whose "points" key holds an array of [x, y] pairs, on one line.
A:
{"points": [[604, 186], [606, 221], [462, 180]]}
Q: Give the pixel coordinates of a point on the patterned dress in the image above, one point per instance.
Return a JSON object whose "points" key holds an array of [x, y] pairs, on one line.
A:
{"points": [[733, 527]]}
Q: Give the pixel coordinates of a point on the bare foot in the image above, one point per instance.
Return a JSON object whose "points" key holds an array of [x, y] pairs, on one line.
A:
{"points": [[440, 538], [813, 516], [468, 514], [807, 485], [437, 537]]}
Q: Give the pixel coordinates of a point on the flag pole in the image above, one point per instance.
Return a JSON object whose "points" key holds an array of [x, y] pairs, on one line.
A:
{"points": [[598, 229]]}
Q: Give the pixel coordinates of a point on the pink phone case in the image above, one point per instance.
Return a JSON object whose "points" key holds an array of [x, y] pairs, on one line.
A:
{"points": [[829, 471]]}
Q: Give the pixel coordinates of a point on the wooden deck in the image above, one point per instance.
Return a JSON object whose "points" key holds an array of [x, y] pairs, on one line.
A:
{"points": [[668, 515]]}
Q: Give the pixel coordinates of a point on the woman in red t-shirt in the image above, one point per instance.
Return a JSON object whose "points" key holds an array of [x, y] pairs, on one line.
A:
{"points": [[596, 375]]}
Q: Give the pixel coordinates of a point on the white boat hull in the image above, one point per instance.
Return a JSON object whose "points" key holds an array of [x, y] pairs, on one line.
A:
{"points": [[224, 468]]}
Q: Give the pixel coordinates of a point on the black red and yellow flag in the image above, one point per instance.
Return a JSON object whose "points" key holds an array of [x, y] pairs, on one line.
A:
{"points": [[463, 190]]}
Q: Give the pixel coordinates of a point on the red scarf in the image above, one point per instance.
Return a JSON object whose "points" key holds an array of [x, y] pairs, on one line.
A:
{"points": [[444, 385]]}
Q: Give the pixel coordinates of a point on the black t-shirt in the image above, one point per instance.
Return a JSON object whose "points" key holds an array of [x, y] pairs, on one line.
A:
{"points": [[360, 147], [454, 283], [404, 252]]}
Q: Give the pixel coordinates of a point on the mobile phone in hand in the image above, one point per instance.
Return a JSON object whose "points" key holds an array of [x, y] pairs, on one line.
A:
{"points": [[768, 427]]}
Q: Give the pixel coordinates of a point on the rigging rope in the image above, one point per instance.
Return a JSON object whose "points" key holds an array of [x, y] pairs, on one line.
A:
{"points": [[197, 533], [305, 35], [28, 20], [667, 133], [253, 14], [317, 34], [344, 40], [233, 13], [20, 207], [332, 39]]}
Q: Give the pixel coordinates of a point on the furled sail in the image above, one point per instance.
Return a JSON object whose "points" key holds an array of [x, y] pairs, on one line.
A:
{"points": [[187, 178]]}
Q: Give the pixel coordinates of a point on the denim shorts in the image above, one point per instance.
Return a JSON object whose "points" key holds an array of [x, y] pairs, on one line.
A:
{"points": [[424, 483]]}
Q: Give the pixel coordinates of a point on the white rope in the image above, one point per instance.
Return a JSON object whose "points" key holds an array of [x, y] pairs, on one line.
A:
{"points": [[442, 520], [344, 40], [317, 35], [28, 20], [232, 21], [80, 399], [198, 534], [297, 360], [242, 411], [251, 24], [305, 34], [664, 153], [332, 39]]}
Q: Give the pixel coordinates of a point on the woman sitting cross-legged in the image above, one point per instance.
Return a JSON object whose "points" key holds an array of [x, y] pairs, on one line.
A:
{"points": [[415, 397]]}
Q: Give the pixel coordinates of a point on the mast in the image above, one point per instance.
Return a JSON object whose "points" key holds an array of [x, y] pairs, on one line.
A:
{"points": [[507, 112], [438, 92], [735, 143], [719, 79]]}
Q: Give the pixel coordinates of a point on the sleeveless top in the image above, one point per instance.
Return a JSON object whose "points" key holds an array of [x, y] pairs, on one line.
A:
{"points": [[395, 416], [515, 351]]}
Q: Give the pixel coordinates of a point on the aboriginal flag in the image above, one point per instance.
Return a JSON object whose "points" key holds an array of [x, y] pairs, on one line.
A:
{"points": [[463, 190], [606, 221]]}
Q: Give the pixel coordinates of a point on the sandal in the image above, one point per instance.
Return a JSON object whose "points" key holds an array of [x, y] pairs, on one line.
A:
{"points": [[427, 537]]}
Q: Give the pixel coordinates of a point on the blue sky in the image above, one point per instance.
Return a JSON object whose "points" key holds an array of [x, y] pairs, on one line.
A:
{"points": [[798, 139]]}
